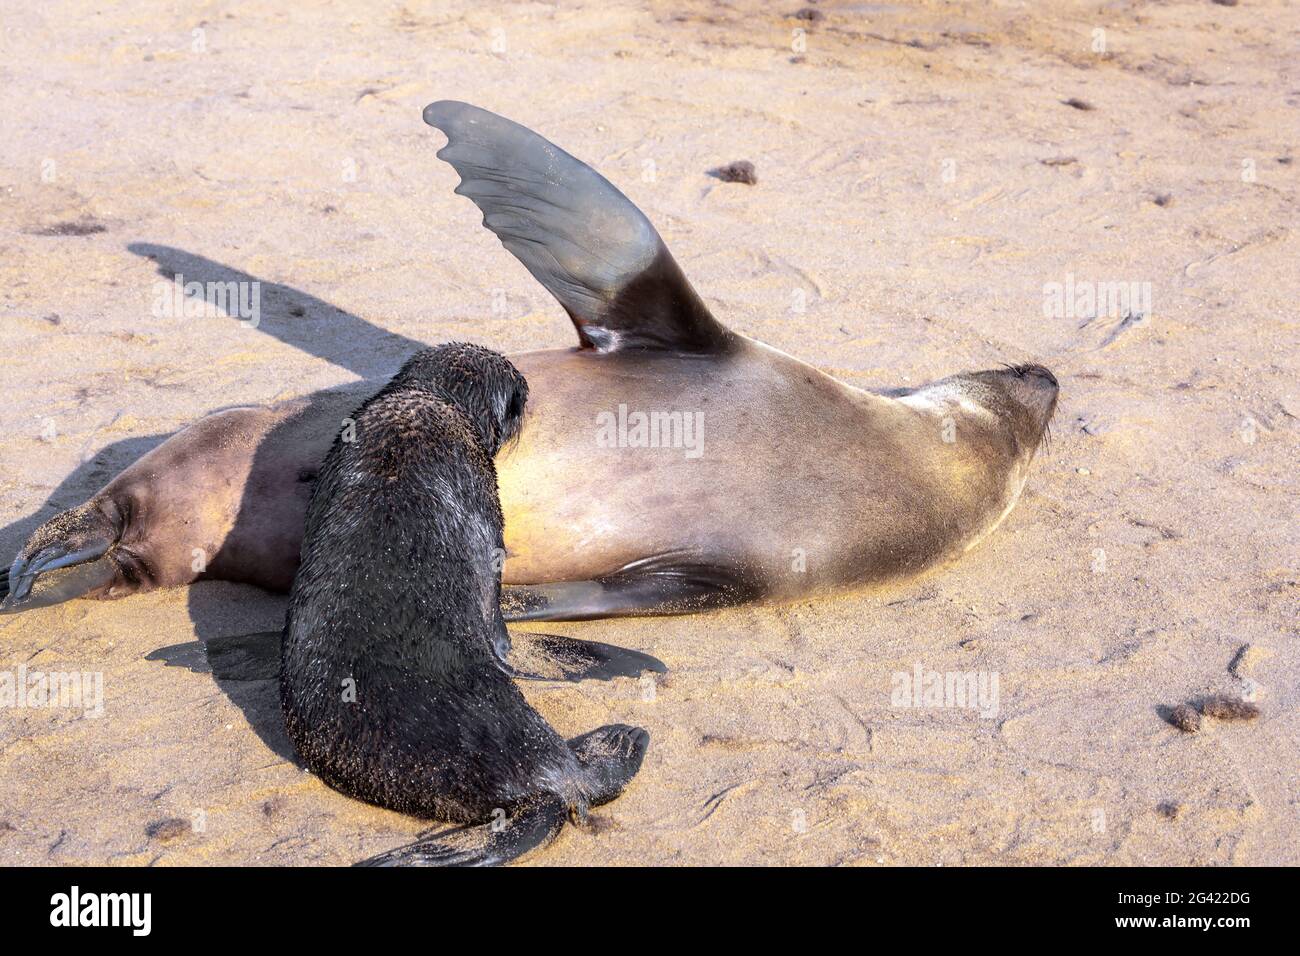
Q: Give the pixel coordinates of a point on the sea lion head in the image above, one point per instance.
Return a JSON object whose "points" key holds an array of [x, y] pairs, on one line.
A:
{"points": [[481, 383], [1023, 397]]}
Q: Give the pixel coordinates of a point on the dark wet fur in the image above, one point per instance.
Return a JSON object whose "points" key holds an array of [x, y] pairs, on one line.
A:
{"points": [[397, 596]]}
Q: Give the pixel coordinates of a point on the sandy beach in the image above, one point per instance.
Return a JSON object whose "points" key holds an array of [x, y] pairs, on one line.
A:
{"points": [[940, 187]]}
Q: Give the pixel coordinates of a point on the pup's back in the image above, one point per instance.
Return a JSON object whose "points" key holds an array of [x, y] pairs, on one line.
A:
{"points": [[391, 690], [392, 677]]}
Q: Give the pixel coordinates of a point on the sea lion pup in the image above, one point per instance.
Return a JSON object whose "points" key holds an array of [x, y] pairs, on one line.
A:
{"points": [[789, 484], [392, 679]]}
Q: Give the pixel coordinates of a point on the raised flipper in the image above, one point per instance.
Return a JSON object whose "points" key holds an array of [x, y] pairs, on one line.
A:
{"points": [[580, 237], [489, 844], [674, 583]]}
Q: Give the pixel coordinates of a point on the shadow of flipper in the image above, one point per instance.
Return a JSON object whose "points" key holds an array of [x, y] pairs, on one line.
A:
{"points": [[256, 656], [295, 317], [240, 657]]}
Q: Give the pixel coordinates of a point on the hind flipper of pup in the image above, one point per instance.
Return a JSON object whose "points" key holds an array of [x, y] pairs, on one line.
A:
{"points": [[552, 657], [581, 238], [674, 583], [610, 757], [489, 844]]}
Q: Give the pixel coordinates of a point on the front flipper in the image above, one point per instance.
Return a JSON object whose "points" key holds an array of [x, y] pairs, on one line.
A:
{"points": [[580, 237], [70, 555], [674, 583], [487, 845], [551, 657]]}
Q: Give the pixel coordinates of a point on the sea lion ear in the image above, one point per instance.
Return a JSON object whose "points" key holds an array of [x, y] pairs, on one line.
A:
{"points": [[580, 237], [513, 398]]}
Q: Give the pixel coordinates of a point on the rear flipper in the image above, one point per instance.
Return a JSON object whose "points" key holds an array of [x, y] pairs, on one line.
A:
{"points": [[56, 584], [610, 756], [673, 583], [551, 657], [70, 556], [489, 844]]}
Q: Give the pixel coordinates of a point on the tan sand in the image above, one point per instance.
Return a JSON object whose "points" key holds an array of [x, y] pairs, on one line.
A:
{"points": [[920, 181]]}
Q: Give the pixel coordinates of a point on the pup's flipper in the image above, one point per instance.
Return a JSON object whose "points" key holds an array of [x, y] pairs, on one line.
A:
{"points": [[552, 657], [580, 237], [490, 844], [611, 756]]}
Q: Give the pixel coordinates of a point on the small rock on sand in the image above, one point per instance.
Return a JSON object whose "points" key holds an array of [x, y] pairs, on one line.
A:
{"points": [[1185, 718], [741, 171], [165, 831]]}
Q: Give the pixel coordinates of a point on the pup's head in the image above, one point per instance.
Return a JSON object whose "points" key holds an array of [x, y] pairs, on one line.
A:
{"points": [[481, 383]]}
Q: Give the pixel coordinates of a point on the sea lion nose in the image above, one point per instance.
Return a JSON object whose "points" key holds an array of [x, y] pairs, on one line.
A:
{"points": [[1042, 373]]}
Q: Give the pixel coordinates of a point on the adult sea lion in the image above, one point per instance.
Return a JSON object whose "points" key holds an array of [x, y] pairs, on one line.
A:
{"points": [[783, 482], [393, 679]]}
